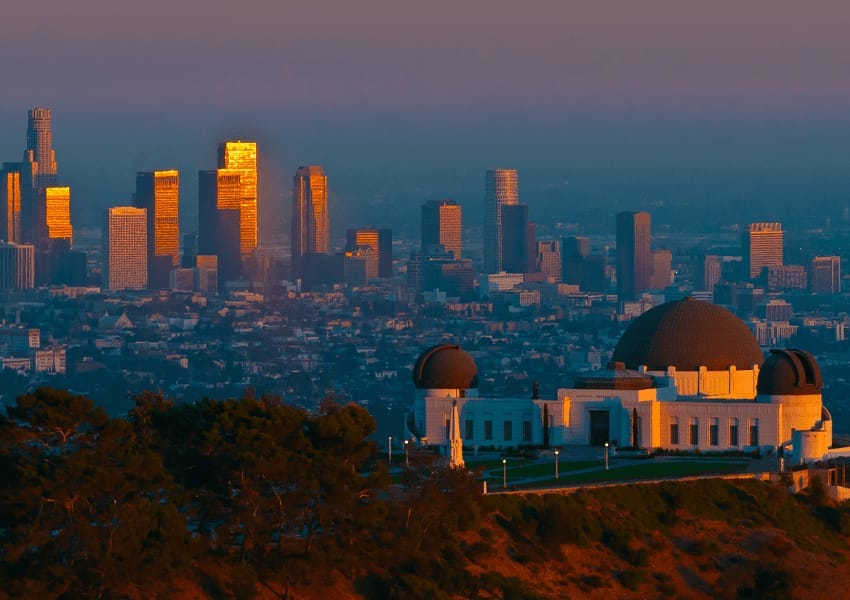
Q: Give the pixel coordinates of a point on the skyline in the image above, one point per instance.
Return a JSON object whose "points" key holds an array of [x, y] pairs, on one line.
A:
{"points": [[404, 104]]}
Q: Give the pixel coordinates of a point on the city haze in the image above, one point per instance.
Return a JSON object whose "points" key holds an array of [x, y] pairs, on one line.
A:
{"points": [[609, 103]]}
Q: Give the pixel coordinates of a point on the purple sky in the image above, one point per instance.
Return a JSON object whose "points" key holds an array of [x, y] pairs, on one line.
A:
{"points": [[381, 92], [165, 54]]}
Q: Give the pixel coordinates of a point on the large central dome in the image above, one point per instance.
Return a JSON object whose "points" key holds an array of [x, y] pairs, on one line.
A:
{"points": [[688, 334]]}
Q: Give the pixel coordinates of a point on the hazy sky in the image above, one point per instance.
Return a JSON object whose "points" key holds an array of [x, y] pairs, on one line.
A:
{"points": [[387, 84], [171, 54]]}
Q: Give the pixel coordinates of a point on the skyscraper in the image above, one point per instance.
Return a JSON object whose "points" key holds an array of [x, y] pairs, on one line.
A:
{"points": [[38, 172], [309, 215], [662, 269], [125, 243], [159, 193], [825, 275], [762, 247], [549, 260], [40, 146], [634, 254], [441, 225], [519, 245], [380, 241], [501, 187], [56, 224], [17, 266], [219, 208], [10, 203], [242, 157]]}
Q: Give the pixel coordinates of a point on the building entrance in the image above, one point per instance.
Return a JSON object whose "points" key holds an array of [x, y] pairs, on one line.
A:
{"points": [[599, 427]]}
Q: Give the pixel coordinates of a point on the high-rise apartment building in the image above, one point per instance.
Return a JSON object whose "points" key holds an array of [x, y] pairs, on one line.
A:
{"points": [[501, 188], [380, 241], [442, 226], [242, 157], [10, 203], [219, 225], [158, 192], [825, 275], [634, 254], [762, 247], [17, 266], [125, 243], [310, 233]]}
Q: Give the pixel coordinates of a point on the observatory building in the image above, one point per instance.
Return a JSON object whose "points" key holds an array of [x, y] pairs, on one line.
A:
{"points": [[686, 375]]}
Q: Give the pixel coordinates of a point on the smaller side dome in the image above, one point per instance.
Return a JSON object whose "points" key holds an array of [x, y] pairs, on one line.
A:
{"points": [[789, 372], [445, 366]]}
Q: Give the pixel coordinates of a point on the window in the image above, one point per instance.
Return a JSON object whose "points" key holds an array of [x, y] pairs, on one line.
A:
{"points": [[714, 431], [526, 431], [694, 432], [733, 431], [674, 431], [754, 432], [509, 432], [469, 430], [488, 430]]}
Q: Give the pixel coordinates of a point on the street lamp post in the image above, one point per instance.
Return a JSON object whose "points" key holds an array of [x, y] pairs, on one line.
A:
{"points": [[504, 473], [606, 456], [406, 456], [556, 464], [390, 449]]}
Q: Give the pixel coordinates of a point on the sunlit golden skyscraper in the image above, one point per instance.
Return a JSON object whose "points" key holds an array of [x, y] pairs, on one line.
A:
{"points": [[10, 204], [501, 187], [125, 243], [762, 247], [57, 215], [159, 193], [309, 215], [242, 156]]}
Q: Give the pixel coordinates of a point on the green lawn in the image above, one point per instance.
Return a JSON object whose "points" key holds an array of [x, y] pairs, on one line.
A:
{"points": [[651, 470], [488, 464], [548, 468]]}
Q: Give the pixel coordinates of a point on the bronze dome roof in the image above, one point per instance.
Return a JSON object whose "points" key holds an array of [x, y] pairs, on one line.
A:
{"points": [[688, 334], [789, 373], [445, 366]]}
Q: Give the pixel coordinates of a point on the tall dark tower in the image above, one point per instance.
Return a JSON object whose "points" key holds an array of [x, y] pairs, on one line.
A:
{"points": [[634, 254], [519, 244], [219, 205], [501, 188]]}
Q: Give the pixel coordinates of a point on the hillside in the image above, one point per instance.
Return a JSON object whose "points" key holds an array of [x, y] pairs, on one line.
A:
{"points": [[250, 498]]}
